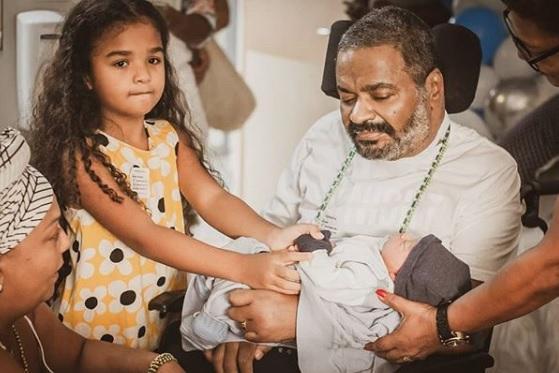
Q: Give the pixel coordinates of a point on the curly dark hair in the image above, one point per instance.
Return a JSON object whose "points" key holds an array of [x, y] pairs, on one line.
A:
{"points": [[401, 29], [67, 115], [544, 13]]}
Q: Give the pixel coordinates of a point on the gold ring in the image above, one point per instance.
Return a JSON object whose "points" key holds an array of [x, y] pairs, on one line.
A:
{"points": [[244, 324], [407, 359]]}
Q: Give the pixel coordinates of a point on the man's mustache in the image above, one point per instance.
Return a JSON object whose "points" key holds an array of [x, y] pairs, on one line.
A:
{"points": [[370, 126]]}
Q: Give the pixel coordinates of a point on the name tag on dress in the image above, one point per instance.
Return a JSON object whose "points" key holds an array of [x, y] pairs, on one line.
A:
{"points": [[139, 181]]}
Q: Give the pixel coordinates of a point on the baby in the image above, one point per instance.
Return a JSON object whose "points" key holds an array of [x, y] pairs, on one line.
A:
{"points": [[338, 312]]}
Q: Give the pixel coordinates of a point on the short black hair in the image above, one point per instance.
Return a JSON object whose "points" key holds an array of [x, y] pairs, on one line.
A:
{"points": [[401, 29], [544, 13]]}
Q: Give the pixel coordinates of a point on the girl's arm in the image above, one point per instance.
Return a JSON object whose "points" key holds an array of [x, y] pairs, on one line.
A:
{"points": [[77, 354], [132, 225], [224, 211]]}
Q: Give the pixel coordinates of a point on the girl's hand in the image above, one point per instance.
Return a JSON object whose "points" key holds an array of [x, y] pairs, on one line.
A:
{"points": [[280, 238], [270, 271]]}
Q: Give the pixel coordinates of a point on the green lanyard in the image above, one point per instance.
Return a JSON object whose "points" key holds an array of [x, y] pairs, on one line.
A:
{"points": [[411, 210]]}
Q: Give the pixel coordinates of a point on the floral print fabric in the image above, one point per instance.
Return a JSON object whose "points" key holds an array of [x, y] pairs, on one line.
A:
{"points": [[107, 293]]}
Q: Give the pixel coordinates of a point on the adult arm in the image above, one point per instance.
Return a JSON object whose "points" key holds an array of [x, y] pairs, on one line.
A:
{"points": [[487, 226], [77, 354], [193, 27], [524, 285]]}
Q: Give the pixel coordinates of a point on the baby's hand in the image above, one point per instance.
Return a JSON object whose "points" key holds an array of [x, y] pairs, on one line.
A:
{"points": [[395, 251], [271, 271], [280, 238]]}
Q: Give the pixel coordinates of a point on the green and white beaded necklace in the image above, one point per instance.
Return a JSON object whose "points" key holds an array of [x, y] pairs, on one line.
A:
{"points": [[319, 219]]}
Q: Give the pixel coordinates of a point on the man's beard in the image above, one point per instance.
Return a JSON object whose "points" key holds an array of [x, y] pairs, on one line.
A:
{"points": [[413, 135]]}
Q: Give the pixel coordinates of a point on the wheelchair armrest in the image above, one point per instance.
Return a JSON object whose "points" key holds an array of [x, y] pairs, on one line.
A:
{"points": [[170, 301], [475, 362]]}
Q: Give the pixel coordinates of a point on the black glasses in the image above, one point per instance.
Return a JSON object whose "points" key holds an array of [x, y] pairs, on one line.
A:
{"points": [[531, 59]]}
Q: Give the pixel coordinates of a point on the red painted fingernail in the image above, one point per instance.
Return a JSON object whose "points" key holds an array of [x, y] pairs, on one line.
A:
{"points": [[381, 293]]}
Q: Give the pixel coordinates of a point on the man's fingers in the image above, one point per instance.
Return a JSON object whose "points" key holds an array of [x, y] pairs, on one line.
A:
{"points": [[239, 314], [246, 356], [252, 336], [208, 355], [288, 274], [230, 357], [217, 358], [261, 350], [240, 297]]}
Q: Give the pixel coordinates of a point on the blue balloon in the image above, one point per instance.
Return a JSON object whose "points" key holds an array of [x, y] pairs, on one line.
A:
{"points": [[487, 25]]}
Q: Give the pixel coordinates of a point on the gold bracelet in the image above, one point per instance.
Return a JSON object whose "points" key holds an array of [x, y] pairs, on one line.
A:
{"points": [[159, 361]]}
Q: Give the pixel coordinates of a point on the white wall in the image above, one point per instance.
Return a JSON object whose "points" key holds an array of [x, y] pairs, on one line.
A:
{"points": [[282, 59], [8, 98], [283, 63]]}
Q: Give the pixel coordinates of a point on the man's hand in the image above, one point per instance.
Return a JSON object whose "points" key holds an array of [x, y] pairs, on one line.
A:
{"points": [[269, 316], [415, 338], [235, 357]]}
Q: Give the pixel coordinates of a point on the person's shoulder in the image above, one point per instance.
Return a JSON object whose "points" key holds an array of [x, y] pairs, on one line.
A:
{"points": [[472, 148], [327, 128]]}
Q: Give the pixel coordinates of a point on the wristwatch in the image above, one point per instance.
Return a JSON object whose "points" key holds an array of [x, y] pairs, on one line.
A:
{"points": [[449, 338]]}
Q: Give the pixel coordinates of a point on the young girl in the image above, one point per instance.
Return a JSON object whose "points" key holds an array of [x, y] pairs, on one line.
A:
{"points": [[120, 177]]}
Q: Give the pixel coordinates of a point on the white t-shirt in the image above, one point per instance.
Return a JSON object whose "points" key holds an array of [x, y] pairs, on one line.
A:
{"points": [[472, 203]]}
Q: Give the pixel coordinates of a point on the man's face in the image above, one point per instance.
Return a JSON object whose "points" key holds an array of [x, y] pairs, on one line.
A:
{"points": [[384, 112], [536, 42]]}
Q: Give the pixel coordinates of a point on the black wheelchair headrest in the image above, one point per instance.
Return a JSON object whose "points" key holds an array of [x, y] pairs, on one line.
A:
{"points": [[459, 56]]}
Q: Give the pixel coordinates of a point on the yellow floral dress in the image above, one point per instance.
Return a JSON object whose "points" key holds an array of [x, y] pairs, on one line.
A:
{"points": [[106, 295]]}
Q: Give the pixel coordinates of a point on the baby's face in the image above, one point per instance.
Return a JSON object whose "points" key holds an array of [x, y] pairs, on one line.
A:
{"points": [[395, 252]]}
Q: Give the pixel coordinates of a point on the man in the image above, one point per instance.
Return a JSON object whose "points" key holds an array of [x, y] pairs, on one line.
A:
{"points": [[414, 171], [532, 279]]}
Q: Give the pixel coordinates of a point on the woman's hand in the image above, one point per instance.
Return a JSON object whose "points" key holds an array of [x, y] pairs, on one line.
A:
{"points": [[280, 238], [270, 271], [415, 338]]}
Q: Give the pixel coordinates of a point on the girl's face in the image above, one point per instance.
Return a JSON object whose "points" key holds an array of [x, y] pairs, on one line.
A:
{"points": [[29, 271], [128, 70]]}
